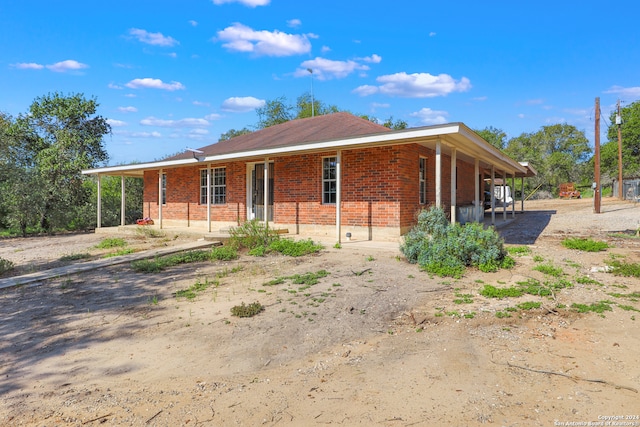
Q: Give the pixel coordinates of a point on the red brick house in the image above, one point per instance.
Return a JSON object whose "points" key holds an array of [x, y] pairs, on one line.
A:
{"points": [[325, 176]]}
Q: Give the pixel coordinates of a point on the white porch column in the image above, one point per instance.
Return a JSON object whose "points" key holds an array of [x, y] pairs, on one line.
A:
{"points": [[522, 194], [266, 192], [479, 201], [493, 195], [513, 196], [209, 198], [160, 198], [453, 184], [123, 201], [99, 205], [504, 195], [438, 174], [338, 196]]}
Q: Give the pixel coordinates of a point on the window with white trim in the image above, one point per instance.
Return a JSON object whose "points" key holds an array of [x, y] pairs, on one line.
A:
{"points": [[423, 181], [329, 181], [218, 188]]}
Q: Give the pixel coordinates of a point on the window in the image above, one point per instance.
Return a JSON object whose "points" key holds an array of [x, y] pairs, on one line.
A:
{"points": [[218, 189], [164, 188], [423, 180], [329, 183]]}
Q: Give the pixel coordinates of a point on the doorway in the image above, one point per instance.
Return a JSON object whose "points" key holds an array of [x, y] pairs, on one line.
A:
{"points": [[256, 192]]}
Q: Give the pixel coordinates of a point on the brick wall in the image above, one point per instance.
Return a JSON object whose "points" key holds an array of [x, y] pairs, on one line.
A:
{"points": [[380, 188]]}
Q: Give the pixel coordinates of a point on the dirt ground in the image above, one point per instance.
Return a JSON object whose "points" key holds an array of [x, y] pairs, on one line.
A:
{"points": [[374, 342]]}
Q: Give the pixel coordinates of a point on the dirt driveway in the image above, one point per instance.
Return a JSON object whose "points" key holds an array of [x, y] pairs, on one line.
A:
{"points": [[375, 341]]}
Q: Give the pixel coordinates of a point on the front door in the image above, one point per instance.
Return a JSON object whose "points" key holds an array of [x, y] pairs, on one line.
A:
{"points": [[257, 192]]}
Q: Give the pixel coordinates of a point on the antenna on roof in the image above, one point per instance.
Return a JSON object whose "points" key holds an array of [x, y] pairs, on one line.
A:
{"points": [[312, 106], [194, 151]]}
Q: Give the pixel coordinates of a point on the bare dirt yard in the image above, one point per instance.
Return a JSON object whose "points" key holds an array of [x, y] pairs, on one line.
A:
{"points": [[374, 341]]}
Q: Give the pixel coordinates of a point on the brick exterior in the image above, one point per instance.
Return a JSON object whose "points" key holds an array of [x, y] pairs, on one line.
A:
{"points": [[380, 188]]}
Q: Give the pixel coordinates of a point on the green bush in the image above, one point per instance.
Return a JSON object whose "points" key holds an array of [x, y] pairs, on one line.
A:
{"points": [[5, 265], [252, 234], [446, 249], [295, 248], [224, 253]]}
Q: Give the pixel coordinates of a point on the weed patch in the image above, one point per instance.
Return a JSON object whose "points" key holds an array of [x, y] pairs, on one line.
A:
{"points": [[529, 305], [295, 248], [599, 307], [585, 245], [244, 310], [6, 265], [111, 242], [224, 253], [124, 251], [518, 250], [625, 269], [194, 289], [75, 257], [549, 270], [490, 291], [159, 264]]}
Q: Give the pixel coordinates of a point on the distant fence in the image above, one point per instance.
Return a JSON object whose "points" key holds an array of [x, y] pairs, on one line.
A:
{"points": [[630, 189]]}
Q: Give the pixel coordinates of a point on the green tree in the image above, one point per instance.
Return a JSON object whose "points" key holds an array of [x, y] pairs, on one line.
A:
{"points": [[630, 132], [232, 133], [50, 146], [304, 110], [558, 152], [494, 136], [274, 112]]}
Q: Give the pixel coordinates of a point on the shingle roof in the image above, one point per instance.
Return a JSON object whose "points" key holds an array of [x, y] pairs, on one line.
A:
{"points": [[294, 132]]}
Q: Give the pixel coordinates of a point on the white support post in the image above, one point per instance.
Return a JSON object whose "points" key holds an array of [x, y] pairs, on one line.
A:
{"points": [[338, 196], [266, 192], [453, 184], [209, 198], [99, 206], [522, 194], [438, 174], [504, 195], [123, 202], [479, 201], [493, 195], [513, 196], [160, 173]]}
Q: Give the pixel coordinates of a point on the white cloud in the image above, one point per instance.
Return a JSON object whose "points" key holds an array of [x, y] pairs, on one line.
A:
{"points": [[380, 105], [242, 104], [199, 132], [534, 101], [146, 135], [375, 59], [182, 123], [240, 38], [521, 116], [156, 39], [417, 85], [432, 34], [201, 104], [128, 109], [193, 23], [213, 116], [294, 23], [250, 3], [431, 117], [325, 69], [325, 49], [154, 84], [480, 98], [116, 123], [27, 66], [68, 65], [628, 92], [114, 86]]}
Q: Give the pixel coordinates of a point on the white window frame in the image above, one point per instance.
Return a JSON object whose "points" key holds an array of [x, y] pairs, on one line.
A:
{"points": [[218, 186], [329, 197]]}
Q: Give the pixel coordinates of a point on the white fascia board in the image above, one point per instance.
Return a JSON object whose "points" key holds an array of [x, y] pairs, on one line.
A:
{"points": [[493, 151], [139, 167]]}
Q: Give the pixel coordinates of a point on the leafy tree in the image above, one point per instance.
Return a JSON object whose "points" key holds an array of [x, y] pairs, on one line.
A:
{"points": [[494, 136], [304, 110], [274, 112], [630, 133], [49, 147], [232, 133], [388, 123], [558, 152]]}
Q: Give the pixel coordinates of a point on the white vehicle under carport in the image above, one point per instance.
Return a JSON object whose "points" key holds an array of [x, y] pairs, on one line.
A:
{"points": [[502, 194]]}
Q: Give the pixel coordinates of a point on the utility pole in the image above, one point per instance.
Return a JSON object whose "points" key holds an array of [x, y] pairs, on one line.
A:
{"points": [[619, 122], [596, 191]]}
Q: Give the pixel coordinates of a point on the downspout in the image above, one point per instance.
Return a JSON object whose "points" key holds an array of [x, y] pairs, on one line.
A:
{"points": [[338, 196], [99, 206], [454, 155], [123, 201], [438, 174]]}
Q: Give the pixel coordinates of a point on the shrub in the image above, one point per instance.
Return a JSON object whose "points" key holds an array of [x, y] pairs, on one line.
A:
{"points": [[294, 248], [252, 234], [247, 310], [224, 253], [586, 245], [5, 265], [447, 249]]}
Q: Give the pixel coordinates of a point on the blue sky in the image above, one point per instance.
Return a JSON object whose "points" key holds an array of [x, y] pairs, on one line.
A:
{"points": [[171, 75]]}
